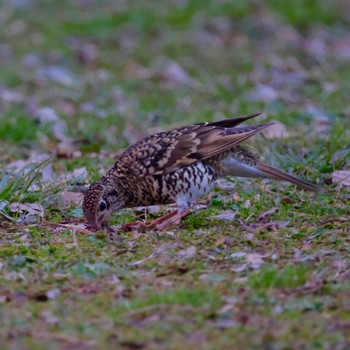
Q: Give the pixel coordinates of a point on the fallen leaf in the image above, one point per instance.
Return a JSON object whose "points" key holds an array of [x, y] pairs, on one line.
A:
{"points": [[276, 131], [269, 226], [35, 158], [53, 293], [80, 173], [341, 177], [238, 255], [174, 73], [237, 197], [58, 75], [46, 115], [340, 155], [47, 173], [252, 260], [255, 260], [264, 93], [70, 198], [10, 96], [49, 318], [188, 253], [3, 204], [266, 215], [224, 216], [341, 47], [220, 241], [30, 208], [322, 119], [161, 253], [28, 213], [4, 298], [287, 200]]}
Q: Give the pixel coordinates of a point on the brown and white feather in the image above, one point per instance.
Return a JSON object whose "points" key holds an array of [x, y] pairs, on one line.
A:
{"points": [[179, 165]]}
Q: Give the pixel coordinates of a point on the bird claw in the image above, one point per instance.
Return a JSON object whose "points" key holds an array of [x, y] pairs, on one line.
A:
{"points": [[133, 226], [159, 224]]}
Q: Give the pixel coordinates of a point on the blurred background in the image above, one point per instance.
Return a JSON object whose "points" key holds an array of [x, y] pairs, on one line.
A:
{"points": [[86, 77], [261, 265]]}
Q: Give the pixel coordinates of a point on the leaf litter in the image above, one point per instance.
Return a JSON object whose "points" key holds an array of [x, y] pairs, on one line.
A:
{"points": [[341, 177]]}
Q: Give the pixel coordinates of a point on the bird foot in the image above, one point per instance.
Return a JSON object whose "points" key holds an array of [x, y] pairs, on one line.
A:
{"points": [[160, 224], [174, 219]]}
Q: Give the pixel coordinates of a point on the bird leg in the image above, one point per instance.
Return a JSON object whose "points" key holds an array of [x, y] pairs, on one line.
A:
{"points": [[160, 223], [168, 221], [148, 224]]}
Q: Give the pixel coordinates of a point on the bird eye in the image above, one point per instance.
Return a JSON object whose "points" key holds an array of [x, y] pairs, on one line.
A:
{"points": [[103, 205]]}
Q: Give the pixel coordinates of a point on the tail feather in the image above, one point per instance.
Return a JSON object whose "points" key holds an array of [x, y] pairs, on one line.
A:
{"points": [[252, 168], [275, 174]]}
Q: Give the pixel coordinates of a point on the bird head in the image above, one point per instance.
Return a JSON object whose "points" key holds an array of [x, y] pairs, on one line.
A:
{"points": [[100, 201]]}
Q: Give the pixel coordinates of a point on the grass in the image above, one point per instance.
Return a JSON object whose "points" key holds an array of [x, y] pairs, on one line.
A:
{"points": [[80, 82]]}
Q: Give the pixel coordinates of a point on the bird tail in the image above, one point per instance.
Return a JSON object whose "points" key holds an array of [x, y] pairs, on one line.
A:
{"points": [[251, 168], [232, 122], [275, 174]]}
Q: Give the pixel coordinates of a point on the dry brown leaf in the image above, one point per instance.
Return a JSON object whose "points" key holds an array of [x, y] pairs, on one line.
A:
{"points": [[237, 197]]}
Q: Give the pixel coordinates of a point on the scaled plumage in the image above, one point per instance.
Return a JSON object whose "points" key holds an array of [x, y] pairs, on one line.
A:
{"points": [[179, 165]]}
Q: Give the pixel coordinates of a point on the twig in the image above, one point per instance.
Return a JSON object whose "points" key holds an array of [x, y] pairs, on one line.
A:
{"points": [[71, 227], [6, 216]]}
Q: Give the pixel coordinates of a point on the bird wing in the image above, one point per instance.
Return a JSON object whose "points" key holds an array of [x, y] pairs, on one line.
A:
{"points": [[206, 142], [232, 122], [166, 152]]}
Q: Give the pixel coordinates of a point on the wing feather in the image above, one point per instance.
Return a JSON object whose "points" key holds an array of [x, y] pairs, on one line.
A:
{"points": [[166, 152]]}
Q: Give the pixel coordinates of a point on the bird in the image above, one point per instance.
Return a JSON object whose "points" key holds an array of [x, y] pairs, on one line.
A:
{"points": [[178, 166]]}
